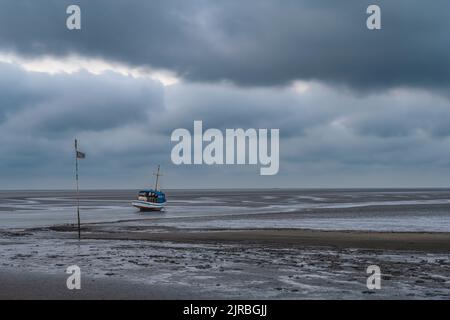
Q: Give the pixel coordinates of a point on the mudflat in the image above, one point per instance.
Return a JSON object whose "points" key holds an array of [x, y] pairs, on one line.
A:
{"points": [[418, 241], [26, 285]]}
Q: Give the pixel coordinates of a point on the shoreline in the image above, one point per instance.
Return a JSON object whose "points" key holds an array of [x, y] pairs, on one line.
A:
{"points": [[425, 241], [436, 242]]}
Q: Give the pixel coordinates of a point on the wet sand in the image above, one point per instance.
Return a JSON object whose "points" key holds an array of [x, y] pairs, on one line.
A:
{"points": [[129, 262], [230, 245], [26, 285], [429, 242], [374, 210]]}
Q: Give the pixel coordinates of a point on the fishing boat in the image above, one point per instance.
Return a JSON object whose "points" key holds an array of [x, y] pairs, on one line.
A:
{"points": [[151, 199]]}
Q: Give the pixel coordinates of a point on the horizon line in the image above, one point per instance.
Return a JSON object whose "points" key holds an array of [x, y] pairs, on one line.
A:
{"points": [[241, 188]]}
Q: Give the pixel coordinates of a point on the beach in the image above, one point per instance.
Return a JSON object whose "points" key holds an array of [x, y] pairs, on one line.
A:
{"points": [[429, 242], [28, 285], [195, 249]]}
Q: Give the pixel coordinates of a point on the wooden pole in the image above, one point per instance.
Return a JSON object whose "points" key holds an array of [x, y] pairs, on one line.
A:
{"points": [[78, 195]]}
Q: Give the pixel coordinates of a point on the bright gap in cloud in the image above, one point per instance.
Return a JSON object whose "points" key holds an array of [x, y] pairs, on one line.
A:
{"points": [[300, 87], [71, 64]]}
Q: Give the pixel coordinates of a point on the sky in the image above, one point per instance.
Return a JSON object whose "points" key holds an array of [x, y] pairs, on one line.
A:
{"points": [[355, 107]]}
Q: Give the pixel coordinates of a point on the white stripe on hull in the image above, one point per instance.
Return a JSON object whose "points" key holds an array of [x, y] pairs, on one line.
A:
{"points": [[150, 206]]}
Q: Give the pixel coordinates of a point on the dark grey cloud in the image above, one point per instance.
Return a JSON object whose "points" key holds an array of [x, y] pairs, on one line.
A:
{"points": [[42, 114], [372, 112], [253, 42], [124, 125], [65, 104]]}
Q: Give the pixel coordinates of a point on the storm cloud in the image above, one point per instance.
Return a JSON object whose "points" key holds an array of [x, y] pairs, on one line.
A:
{"points": [[355, 108], [124, 125], [252, 42]]}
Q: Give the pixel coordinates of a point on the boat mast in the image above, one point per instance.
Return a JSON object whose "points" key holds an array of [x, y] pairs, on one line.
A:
{"points": [[157, 178]]}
